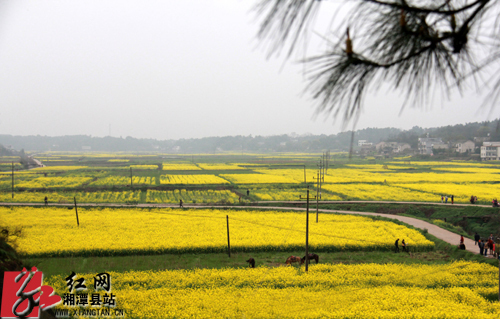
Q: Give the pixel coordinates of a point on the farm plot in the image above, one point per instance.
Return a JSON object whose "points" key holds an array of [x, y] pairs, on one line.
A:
{"points": [[219, 167], [122, 181], [191, 196], [198, 179], [109, 232], [180, 167], [461, 192], [258, 179], [277, 194], [53, 182], [456, 290], [379, 192]]}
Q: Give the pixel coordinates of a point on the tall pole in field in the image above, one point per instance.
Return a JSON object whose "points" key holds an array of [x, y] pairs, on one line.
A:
{"points": [[317, 198], [307, 231], [12, 179], [228, 243], [131, 185], [76, 211]]}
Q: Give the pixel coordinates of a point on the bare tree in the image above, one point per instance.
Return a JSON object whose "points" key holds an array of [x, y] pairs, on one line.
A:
{"points": [[416, 46]]}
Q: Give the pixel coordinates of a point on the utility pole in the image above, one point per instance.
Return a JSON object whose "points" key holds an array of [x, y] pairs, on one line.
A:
{"points": [[131, 183], [228, 243], [76, 211], [12, 179], [320, 169], [317, 198], [307, 228], [307, 231]]}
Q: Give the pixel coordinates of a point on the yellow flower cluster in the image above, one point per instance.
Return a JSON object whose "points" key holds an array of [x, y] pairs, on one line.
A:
{"points": [[191, 196], [142, 231], [180, 167], [373, 291], [192, 179], [258, 179]]}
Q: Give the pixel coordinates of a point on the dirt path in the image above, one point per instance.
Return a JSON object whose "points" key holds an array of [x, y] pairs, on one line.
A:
{"points": [[434, 230]]}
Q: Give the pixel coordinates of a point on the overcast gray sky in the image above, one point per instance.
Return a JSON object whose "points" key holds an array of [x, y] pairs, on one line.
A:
{"points": [[167, 70]]}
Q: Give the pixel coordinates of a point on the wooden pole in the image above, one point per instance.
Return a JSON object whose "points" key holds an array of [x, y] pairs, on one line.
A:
{"points": [[76, 211], [320, 170], [228, 243], [317, 198], [12, 179], [307, 231]]}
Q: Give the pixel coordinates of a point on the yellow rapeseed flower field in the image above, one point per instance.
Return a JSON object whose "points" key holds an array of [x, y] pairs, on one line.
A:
{"points": [[180, 167], [199, 179], [144, 166], [123, 231], [258, 179], [219, 167], [51, 182], [396, 291], [191, 196]]}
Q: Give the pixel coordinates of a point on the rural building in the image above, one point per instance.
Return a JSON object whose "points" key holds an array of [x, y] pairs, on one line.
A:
{"points": [[465, 147], [426, 144], [363, 143], [401, 147], [490, 151], [392, 147]]}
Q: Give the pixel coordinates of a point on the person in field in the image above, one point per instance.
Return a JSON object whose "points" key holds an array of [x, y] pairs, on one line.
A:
{"points": [[46, 200], [181, 204], [403, 244], [452, 199], [397, 246]]}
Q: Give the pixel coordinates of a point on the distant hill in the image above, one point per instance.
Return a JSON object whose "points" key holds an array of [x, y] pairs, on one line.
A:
{"points": [[239, 143]]}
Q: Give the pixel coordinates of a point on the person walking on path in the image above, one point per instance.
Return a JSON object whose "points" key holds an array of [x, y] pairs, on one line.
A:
{"points": [[446, 199], [46, 200], [442, 198], [476, 238], [397, 247], [461, 239], [490, 245], [481, 247], [180, 204], [452, 199]]}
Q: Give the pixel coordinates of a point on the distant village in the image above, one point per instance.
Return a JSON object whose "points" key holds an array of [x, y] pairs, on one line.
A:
{"points": [[480, 147]]}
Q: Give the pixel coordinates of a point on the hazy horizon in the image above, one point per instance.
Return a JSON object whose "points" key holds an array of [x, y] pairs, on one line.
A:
{"points": [[171, 70]]}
